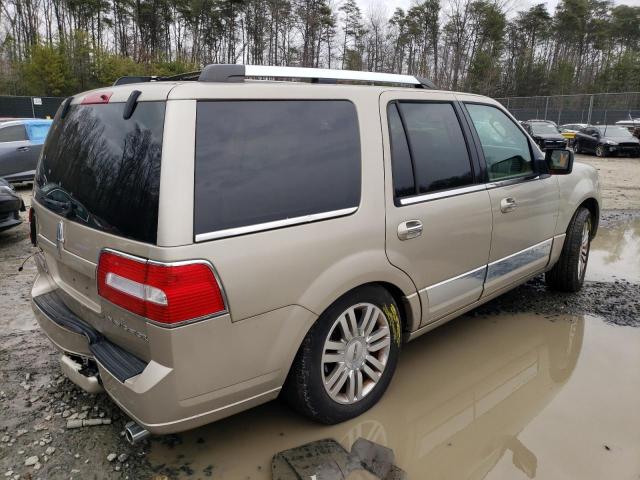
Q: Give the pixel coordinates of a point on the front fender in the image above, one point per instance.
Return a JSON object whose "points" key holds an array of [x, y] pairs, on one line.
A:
{"points": [[581, 185]]}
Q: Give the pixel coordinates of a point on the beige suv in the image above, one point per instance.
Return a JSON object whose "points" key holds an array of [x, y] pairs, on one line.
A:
{"points": [[210, 243]]}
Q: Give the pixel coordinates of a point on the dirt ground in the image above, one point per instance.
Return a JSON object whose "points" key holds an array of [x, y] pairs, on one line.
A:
{"points": [[620, 179], [514, 389]]}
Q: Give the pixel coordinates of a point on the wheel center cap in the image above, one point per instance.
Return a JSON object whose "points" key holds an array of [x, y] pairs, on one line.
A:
{"points": [[355, 353]]}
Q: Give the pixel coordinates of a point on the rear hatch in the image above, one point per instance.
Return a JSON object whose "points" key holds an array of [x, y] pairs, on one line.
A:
{"points": [[97, 186]]}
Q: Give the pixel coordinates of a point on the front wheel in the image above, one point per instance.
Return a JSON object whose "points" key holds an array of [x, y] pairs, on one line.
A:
{"points": [[347, 359], [576, 147], [600, 151], [567, 275]]}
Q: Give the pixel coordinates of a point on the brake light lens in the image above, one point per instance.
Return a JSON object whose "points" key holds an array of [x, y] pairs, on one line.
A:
{"points": [[168, 294], [96, 98]]}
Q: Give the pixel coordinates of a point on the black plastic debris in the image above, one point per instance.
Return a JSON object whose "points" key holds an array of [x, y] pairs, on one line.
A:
{"points": [[328, 460]]}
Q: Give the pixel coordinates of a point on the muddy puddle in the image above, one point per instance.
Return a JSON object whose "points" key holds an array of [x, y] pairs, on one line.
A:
{"points": [[501, 396], [615, 253]]}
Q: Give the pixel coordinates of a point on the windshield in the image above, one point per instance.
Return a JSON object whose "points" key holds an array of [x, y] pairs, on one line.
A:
{"points": [[615, 131], [544, 129], [103, 171]]}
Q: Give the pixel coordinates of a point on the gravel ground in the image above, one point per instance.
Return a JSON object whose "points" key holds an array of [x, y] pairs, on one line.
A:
{"points": [[37, 402]]}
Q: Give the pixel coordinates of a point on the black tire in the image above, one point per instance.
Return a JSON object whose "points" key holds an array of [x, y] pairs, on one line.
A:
{"points": [[600, 151], [565, 276], [304, 389], [576, 147]]}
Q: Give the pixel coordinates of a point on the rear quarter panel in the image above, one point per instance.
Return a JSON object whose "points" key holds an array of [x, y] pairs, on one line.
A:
{"points": [[309, 265]]}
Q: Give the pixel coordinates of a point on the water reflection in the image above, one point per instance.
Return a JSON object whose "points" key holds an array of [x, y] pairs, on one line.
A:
{"points": [[461, 396], [615, 253]]}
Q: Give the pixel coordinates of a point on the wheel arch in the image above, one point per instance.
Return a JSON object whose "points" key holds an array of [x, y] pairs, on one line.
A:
{"points": [[593, 206]]}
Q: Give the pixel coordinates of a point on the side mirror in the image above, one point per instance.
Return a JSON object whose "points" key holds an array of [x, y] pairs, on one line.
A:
{"points": [[595, 135], [560, 161]]}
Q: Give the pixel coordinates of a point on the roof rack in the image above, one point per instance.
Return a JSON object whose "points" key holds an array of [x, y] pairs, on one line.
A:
{"points": [[230, 73]]}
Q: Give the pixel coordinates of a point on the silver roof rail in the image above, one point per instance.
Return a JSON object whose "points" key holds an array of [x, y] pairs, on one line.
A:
{"points": [[237, 73]]}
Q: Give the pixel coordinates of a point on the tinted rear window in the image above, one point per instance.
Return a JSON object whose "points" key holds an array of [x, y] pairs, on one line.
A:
{"points": [[104, 171], [13, 133], [264, 161], [437, 145]]}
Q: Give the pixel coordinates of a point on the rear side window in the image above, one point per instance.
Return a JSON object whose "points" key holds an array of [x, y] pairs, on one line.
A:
{"points": [[268, 161], [436, 145], [13, 133], [401, 167], [103, 171]]}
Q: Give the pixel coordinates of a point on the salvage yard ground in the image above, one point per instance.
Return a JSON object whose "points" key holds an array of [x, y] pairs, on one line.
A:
{"points": [[533, 384]]}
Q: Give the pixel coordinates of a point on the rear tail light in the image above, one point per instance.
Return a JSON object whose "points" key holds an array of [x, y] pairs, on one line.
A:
{"points": [[96, 98], [165, 293], [32, 227]]}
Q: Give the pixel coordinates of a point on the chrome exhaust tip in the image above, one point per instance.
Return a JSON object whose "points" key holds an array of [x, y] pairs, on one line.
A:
{"points": [[135, 433]]}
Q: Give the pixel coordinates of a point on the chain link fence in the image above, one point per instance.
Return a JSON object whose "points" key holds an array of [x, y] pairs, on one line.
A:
{"points": [[601, 108], [29, 107], [595, 109]]}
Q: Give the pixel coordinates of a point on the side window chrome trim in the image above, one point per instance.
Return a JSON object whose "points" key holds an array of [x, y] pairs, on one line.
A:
{"points": [[260, 227], [442, 194], [513, 181]]}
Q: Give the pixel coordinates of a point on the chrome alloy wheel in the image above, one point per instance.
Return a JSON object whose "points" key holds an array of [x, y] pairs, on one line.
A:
{"points": [[584, 249], [355, 353]]}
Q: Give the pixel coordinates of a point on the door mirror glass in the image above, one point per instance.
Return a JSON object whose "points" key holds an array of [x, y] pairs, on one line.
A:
{"points": [[560, 162]]}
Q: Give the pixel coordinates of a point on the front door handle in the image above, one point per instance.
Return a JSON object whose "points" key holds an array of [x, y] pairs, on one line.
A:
{"points": [[507, 204], [23, 149], [409, 229]]}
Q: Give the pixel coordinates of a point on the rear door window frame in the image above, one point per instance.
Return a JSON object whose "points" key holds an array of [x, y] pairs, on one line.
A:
{"points": [[477, 167], [17, 125]]}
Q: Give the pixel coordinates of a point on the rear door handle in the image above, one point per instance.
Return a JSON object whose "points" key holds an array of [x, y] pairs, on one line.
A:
{"points": [[507, 204], [409, 229], [23, 149]]}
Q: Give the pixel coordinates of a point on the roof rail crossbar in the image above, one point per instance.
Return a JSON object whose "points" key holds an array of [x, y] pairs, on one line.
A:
{"points": [[154, 78], [237, 73]]}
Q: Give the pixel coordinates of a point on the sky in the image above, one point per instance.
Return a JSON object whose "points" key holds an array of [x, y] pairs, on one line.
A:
{"points": [[516, 5]]}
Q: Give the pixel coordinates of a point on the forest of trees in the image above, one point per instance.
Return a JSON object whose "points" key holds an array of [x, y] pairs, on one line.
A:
{"points": [[59, 47]]}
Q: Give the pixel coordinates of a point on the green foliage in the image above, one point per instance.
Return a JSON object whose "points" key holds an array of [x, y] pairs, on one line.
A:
{"points": [[46, 72], [68, 46]]}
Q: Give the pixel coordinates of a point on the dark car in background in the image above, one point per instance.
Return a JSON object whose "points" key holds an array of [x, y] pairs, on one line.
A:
{"points": [[10, 206], [607, 140], [545, 134], [20, 145]]}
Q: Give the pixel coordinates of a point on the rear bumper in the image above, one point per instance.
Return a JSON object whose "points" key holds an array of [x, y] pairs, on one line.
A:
{"points": [[26, 176], [7, 223], [209, 355], [9, 216]]}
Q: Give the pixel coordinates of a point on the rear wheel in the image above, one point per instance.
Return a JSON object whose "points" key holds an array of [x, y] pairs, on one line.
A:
{"points": [[347, 359], [568, 274]]}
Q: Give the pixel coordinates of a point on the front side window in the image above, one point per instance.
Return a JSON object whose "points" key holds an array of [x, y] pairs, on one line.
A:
{"points": [[505, 147], [273, 160], [13, 133], [437, 145]]}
